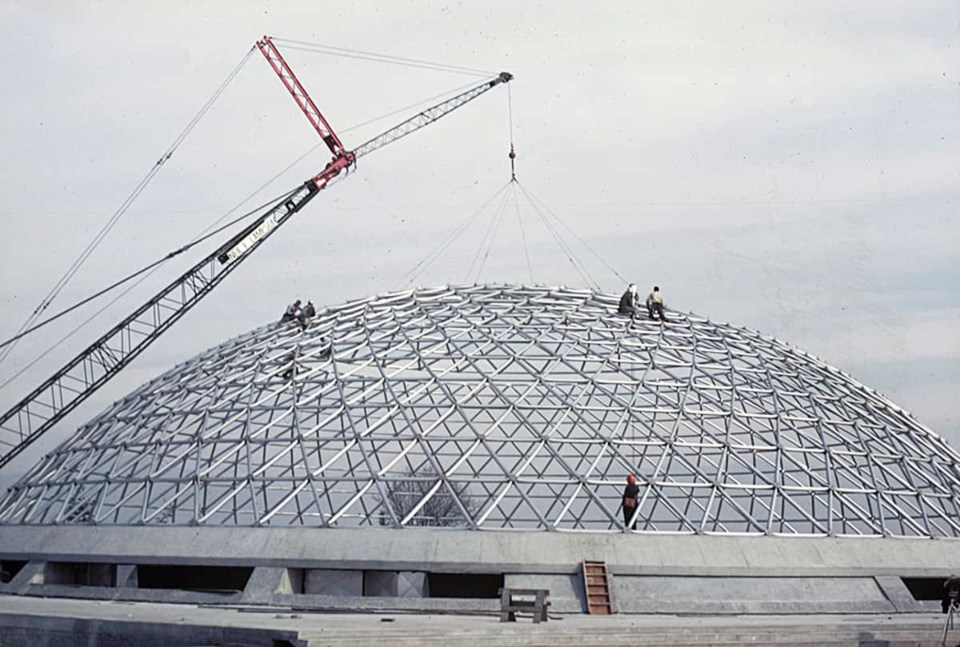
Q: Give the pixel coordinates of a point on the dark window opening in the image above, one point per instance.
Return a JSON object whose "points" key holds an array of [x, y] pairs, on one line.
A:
{"points": [[925, 588], [80, 574], [465, 585], [211, 579], [9, 570]]}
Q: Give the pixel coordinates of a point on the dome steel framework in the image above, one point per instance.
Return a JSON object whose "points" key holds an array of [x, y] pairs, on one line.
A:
{"points": [[501, 407]]}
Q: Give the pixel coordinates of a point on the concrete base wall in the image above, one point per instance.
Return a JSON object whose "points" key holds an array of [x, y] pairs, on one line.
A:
{"points": [[763, 595], [444, 550], [329, 568]]}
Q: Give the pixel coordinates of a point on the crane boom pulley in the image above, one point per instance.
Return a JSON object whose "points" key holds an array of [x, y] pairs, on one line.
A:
{"points": [[79, 378]]}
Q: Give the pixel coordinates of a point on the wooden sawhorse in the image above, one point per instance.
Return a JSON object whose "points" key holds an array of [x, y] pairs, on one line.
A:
{"points": [[514, 600]]}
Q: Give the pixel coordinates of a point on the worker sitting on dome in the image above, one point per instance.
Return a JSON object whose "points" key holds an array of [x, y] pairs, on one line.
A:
{"points": [[292, 312], [305, 315], [630, 493], [655, 304], [628, 302]]}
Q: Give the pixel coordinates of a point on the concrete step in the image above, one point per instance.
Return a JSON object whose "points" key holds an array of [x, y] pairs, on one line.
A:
{"points": [[535, 636]]}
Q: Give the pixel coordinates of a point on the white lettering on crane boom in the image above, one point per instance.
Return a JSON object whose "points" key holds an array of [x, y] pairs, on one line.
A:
{"points": [[269, 223]]}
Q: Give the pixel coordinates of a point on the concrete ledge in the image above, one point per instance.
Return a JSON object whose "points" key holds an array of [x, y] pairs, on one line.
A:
{"points": [[442, 550], [172, 596], [53, 631], [103, 624]]}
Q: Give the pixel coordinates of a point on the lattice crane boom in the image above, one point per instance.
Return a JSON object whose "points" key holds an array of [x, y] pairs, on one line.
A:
{"points": [[79, 378], [428, 116]]}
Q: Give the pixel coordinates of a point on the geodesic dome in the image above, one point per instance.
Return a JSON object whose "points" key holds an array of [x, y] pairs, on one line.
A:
{"points": [[501, 407]]}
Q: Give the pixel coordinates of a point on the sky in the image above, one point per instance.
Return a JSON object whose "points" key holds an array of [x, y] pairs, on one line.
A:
{"points": [[789, 167]]}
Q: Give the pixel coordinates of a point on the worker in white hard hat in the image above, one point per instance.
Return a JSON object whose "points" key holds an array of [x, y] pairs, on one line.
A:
{"points": [[628, 302]]}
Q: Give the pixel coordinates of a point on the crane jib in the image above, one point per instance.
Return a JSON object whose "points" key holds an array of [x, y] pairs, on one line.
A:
{"points": [[269, 224]]}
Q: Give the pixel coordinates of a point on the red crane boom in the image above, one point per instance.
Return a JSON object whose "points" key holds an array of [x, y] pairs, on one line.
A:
{"points": [[299, 94]]}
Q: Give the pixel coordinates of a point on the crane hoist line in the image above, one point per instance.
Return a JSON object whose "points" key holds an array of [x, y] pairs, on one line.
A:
{"points": [[79, 378]]}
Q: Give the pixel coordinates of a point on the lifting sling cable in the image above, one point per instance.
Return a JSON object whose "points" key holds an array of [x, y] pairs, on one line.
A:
{"points": [[486, 243], [101, 361], [566, 249], [125, 205], [437, 251], [523, 236], [546, 209]]}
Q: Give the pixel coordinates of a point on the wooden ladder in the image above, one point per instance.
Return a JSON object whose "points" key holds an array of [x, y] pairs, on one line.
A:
{"points": [[597, 587]]}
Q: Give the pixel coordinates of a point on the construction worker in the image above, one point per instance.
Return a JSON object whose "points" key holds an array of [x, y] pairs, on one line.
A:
{"points": [[628, 302], [951, 594], [303, 316], [630, 493], [655, 304], [292, 312]]}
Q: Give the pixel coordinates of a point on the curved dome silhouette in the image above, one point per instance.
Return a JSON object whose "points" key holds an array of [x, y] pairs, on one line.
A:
{"points": [[501, 407]]}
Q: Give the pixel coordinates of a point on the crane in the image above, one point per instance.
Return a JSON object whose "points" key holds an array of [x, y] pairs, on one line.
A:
{"points": [[79, 378]]}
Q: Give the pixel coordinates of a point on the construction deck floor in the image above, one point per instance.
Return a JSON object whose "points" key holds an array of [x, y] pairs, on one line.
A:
{"points": [[48, 622]]}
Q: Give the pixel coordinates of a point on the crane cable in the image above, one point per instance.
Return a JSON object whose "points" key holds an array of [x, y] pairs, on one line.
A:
{"points": [[494, 226], [149, 269], [344, 52], [211, 230], [125, 206], [146, 268], [513, 153], [513, 180], [26, 327]]}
